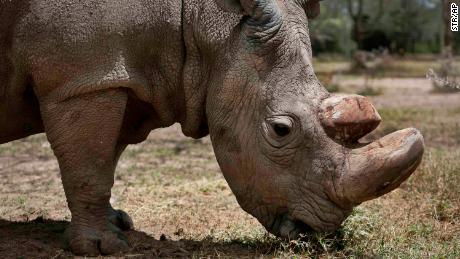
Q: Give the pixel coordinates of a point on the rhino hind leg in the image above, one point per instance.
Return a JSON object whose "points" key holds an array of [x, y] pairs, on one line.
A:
{"points": [[84, 132]]}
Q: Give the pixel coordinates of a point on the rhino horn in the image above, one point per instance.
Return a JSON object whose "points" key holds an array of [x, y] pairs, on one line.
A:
{"points": [[381, 166], [347, 118]]}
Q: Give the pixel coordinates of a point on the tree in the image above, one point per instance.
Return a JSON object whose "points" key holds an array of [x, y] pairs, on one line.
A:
{"points": [[330, 32], [362, 22], [447, 48], [400, 25]]}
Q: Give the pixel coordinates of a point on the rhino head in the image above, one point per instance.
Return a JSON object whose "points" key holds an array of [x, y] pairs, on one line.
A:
{"points": [[287, 147]]}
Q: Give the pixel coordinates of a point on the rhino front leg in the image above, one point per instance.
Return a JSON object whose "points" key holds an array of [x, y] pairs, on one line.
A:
{"points": [[83, 132]]}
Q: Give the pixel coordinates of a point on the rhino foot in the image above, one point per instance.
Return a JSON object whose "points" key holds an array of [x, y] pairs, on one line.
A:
{"points": [[120, 219], [86, 241]]}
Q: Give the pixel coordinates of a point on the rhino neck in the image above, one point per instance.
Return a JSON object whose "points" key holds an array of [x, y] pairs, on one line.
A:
{"points": [[205, 30]]}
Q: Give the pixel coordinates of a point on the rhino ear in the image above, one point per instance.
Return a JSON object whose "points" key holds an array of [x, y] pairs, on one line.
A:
{"points": [[232, 6]]}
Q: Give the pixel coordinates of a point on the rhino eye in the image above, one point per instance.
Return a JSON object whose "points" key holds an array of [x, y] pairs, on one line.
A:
{"points": [[281, 129]]}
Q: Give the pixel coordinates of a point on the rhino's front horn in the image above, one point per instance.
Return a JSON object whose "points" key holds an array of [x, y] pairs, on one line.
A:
{"points": [[381, 166], [347, 118]]}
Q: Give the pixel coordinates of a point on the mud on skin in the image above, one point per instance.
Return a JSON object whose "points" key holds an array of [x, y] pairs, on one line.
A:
{"points": [[97, 76]]}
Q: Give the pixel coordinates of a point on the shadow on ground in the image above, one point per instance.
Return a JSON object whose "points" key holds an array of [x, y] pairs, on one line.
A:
{"points": [[44, 239]]}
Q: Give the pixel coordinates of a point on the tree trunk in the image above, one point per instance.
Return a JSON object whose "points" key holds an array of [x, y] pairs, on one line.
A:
{"points": [[357, 33], [447, 47], [361, 22]]}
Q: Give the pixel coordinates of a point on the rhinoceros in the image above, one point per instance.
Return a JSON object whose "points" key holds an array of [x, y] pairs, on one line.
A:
{"points": [[98, 75]]}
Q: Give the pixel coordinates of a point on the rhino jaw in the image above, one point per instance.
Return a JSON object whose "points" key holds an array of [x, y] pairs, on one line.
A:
{"points": [[381, 166]]}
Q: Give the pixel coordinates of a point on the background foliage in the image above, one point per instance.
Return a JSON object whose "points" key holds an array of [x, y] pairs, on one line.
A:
{"points": [[402, 26]]}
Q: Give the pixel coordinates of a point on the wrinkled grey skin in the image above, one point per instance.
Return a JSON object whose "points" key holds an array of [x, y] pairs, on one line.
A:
{"points": [[99, 75]]}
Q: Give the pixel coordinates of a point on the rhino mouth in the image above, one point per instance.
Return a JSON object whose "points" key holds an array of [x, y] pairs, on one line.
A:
{"points": [[287, 227]]}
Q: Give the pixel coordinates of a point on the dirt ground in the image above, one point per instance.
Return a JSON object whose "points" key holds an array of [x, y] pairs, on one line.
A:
{"points": [[182, 207]]}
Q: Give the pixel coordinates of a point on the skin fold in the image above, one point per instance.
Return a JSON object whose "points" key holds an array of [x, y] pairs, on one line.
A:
{"points": [[96, 76]]}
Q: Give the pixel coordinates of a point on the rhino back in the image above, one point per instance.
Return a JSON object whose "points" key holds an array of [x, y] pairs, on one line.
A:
{"points": [[72, 47], [162, 50]]}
